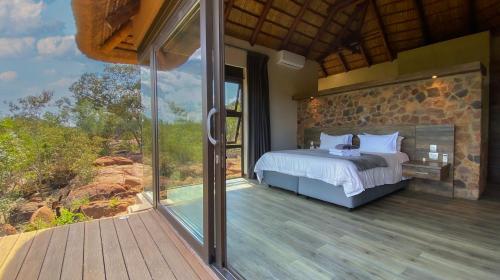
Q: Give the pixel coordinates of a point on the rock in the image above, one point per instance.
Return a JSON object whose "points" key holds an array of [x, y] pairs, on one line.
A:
{"points": [[109, 160], [44, 214], [22, 212], [133, 182], [99, 209], [97, 191], [7, 229]]}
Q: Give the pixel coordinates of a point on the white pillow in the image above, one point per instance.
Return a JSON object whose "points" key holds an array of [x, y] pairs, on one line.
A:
{"points": [[398, 143], [329, 141], [378, 143]]}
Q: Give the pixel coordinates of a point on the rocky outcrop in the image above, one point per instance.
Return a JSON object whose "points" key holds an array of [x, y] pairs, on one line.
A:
{"points": [[99, 209], [7, 229], [114, 188], [112, 160], [22, 212], [43, 214], [97, 191]]}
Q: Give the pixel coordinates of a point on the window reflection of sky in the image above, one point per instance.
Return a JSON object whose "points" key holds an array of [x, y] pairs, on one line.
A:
{"points": [[182, 87]]}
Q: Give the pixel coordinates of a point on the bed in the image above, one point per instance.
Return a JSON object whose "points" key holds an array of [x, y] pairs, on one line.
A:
{"points": [[368, 186], [317, 174]]}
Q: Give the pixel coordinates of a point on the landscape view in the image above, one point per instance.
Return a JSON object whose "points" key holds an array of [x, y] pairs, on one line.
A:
{"points": [[70, 127]]}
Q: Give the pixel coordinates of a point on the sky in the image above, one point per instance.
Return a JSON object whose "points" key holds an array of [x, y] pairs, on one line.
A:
{"points": [[38, 50]]}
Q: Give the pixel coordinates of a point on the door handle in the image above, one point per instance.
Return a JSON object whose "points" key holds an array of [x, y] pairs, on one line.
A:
{"points": [[211, 113]]}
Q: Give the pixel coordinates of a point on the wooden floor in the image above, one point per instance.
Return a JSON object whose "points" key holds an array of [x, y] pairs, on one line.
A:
{"points": [[138, 246], [273, 234]]}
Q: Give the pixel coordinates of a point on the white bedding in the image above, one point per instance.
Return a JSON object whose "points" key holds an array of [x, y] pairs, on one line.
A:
{"points": [[318, 164]]}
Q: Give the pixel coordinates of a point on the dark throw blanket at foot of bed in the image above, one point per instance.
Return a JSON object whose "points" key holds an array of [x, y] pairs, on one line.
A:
{"points": [[362, 163]]}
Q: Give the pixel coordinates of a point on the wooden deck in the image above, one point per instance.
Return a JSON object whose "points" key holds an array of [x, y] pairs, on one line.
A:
{"points": [[138, 246]]}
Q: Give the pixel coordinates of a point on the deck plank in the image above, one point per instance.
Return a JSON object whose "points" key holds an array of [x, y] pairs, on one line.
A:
{"points": [[93, 262], [15, 259], [112, 252], [192, 258], [137, 269], [52, 265], [73, 257], [157, 266], [6, 245], [180, 267], [36, 255]]}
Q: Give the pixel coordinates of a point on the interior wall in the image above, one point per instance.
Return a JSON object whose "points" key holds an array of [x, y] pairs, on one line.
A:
{"points": [[494, 141], [456, 99], [471, 48], [283, 84]]}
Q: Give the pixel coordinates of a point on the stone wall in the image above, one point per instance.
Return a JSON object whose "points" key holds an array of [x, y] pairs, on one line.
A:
{"points": [[448, 100]]}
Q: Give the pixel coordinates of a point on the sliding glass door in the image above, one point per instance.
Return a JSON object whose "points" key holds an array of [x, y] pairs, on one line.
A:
{"points": [[182, 95]]}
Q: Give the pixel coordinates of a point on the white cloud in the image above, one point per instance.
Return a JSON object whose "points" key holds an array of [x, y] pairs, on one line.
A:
{"points": [[14, 47], [8, 75], [63, 83], [57, 46], [20, 16]]}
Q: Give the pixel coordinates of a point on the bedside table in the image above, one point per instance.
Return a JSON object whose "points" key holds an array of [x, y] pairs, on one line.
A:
{"points": [[426, 170]]}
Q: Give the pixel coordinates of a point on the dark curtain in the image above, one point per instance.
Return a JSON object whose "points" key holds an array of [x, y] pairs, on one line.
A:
{"points": [[259, 137]]}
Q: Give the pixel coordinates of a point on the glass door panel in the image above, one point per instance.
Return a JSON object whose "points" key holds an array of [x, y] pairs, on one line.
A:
{"points": [[180, 124], [147, 130]]}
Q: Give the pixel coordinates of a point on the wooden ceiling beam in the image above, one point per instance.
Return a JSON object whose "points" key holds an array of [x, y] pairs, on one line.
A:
{"points": [[123, 14], [118, 36], [262, 18], [419, 6], [323, 68], [381, 28], [229, 7], [338, 6], [471, 10], [364, 55], [295, 23], [358, 14]]}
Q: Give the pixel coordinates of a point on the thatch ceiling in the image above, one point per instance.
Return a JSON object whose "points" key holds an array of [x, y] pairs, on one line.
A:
{"points": [[340, 34], [329, 31]]}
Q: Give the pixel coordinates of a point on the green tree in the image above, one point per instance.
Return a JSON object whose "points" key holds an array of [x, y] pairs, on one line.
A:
{"points": [[108, 104]]}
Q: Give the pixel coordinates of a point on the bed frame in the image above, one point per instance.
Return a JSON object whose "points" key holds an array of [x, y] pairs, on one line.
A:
{"points": [[326, 192], [415, 143]]}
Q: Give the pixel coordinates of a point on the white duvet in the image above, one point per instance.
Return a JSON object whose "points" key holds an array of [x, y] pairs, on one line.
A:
{"points": [[318, 164]]}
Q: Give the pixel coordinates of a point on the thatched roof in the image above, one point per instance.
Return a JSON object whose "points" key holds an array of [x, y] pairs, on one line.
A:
{"points": [[111, 30], [340, 34]]}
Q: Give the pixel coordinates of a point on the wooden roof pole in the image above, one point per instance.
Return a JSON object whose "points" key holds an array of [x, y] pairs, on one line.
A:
{"points": [[343, 62], [122, 14], [295, 23], [381, 28], [364, 55], [419, 5], [262, 18], [112, 42], [339, 5], [229, 6]]}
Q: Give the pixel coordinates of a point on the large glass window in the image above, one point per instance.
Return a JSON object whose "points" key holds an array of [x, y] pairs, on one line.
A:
{"points": [[234, 122], [180, 124]]}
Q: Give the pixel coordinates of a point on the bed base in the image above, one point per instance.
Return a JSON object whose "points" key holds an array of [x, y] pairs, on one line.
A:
{"points": [[326, 192]]}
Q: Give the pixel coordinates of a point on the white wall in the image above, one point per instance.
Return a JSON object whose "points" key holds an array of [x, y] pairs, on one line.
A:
{"points": [[283, 84]]}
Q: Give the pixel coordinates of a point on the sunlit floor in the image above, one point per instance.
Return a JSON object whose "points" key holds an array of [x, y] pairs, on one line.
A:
{"points": [[274, 234], [136, 246]]}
